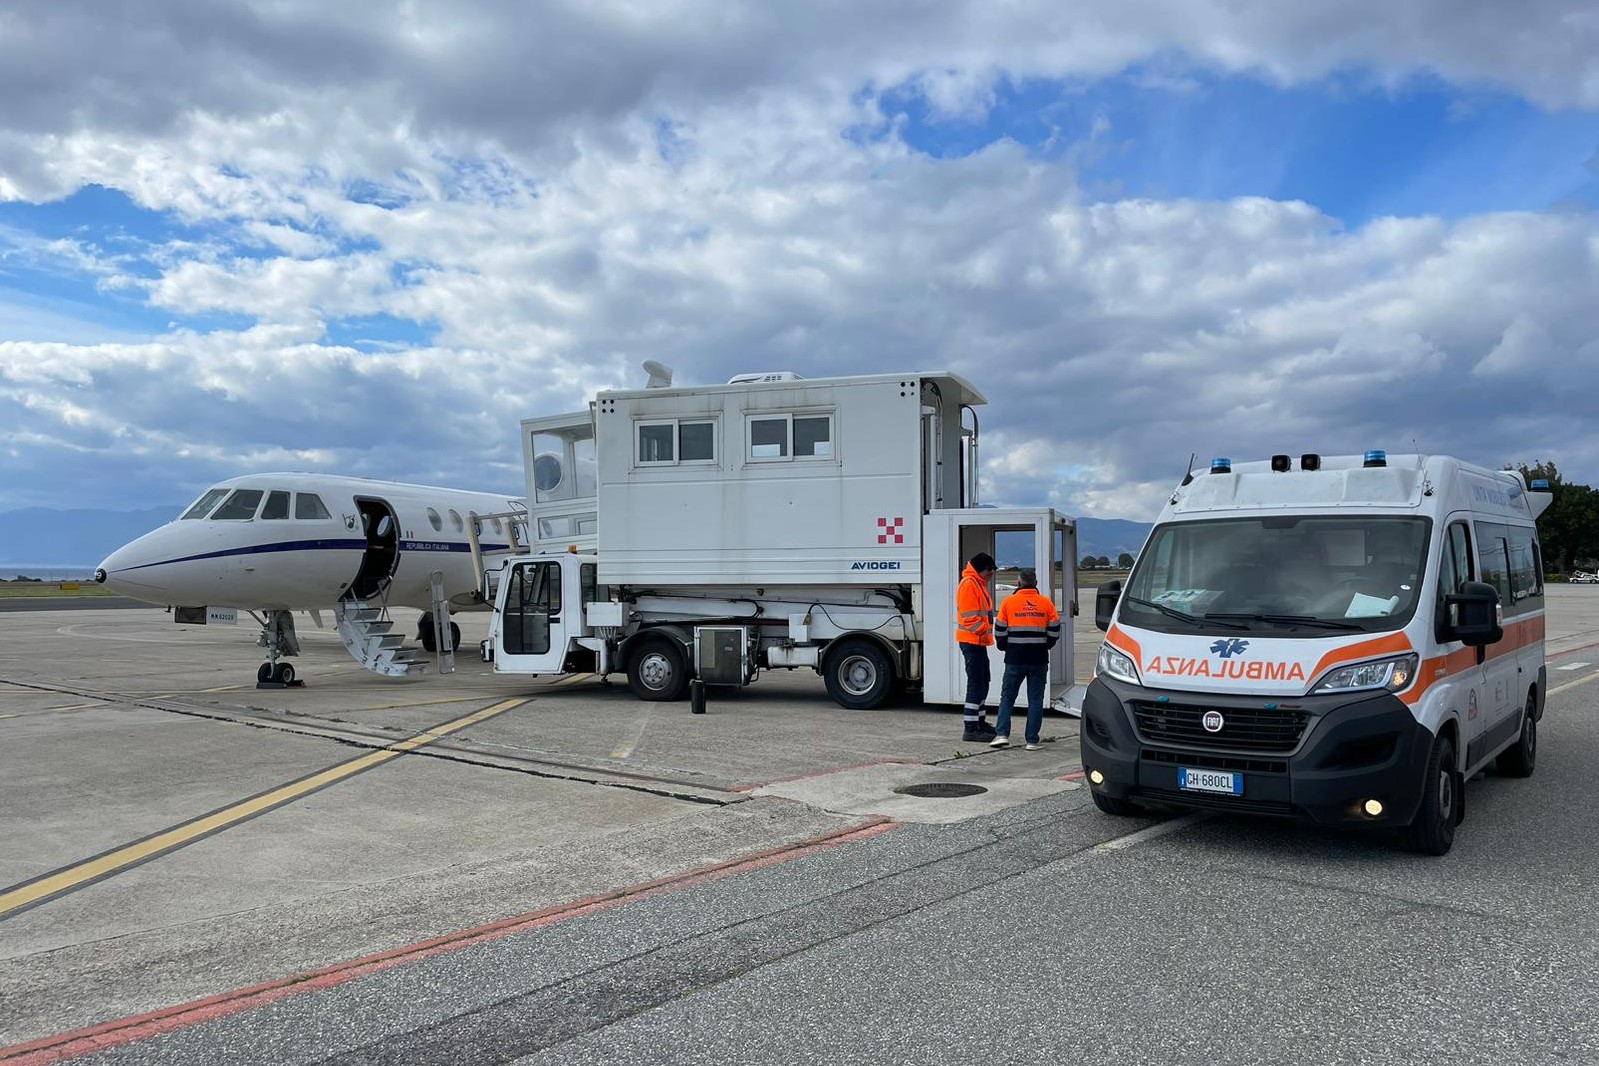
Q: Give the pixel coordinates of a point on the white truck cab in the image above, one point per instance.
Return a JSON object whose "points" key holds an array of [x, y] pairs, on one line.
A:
{"points": [[1345, 639]]}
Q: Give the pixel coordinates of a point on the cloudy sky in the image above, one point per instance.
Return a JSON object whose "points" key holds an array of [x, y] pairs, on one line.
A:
{"points": [[369, 237]]}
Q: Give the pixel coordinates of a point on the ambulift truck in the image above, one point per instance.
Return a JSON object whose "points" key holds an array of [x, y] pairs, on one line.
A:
{"points": [[710, 532]]}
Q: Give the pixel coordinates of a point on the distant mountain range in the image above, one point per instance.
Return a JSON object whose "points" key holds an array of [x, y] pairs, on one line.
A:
{"points": [[57, 540]]}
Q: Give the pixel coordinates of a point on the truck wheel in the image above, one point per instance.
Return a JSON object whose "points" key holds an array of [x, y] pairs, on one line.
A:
{"points": [[859, 673], [657, 671], [1433, 830], [1520, 759]]}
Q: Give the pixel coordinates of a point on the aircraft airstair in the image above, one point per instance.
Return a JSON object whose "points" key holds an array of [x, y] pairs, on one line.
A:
{"points": [[368, 633]]}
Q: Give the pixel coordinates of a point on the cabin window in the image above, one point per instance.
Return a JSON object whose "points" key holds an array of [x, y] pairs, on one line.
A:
{"points": [[497, 527], [677, 440], [203, 505], [277, 505], [309, 505], [776, 437], [435, 521], [455, 520], [241, 505]]}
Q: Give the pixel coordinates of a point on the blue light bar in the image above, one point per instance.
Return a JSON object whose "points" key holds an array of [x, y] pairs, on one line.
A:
{"points": [[1376, 457], [1221, 466], [1540, 484]]}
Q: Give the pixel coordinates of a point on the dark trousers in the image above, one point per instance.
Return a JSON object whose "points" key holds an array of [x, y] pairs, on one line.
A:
{"points": [[1035, 676], [976, 656]]}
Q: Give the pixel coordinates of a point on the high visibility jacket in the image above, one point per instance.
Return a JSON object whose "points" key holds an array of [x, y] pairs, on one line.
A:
{"points": [[1027, 627], [974, 610]]}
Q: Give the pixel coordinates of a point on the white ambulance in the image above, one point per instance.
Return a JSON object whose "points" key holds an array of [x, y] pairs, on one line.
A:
{"points": [[1345, 639]]}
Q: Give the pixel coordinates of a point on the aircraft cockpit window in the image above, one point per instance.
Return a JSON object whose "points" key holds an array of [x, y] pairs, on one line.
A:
{"points": [[435, 521], [455, 520], [309, 505], [277, 505], [203, 505], [241, 505]]}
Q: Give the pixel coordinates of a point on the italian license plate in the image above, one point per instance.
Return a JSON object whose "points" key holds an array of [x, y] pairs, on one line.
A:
{"points": [[1220, 781]]}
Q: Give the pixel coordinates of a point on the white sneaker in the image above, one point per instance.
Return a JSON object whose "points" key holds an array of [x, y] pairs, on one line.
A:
{"points": [[1034, 747], [999, 742]]}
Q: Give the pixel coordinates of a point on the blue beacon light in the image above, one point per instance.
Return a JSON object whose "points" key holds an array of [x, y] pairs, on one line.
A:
{"points": [[1221, 466], [1376, 457]]}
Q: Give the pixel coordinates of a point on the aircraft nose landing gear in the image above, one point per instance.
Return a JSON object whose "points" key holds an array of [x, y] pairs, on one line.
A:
{"points": [[277, 637]]}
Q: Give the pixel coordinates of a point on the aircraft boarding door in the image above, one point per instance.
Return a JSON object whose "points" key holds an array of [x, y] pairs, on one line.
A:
{"points": [[1062, 587], [382, 555]]}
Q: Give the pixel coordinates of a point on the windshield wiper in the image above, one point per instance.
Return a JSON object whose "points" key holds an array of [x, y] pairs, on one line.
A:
{"points": [[1181, 616], [1290, 619]]}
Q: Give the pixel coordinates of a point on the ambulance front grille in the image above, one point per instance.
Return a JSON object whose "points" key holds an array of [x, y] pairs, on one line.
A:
{"points": [[1243, 728]]}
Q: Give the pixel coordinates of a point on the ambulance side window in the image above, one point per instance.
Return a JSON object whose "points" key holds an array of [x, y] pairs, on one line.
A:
{"points": [[1455, 567]]}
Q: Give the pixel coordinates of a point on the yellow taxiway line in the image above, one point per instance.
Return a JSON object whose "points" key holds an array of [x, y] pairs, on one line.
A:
{"points": [[70, 878]]}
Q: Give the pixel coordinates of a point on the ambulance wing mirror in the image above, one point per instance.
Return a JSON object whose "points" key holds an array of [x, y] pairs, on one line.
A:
{"points": [[1105, 603], [1473, 615]]}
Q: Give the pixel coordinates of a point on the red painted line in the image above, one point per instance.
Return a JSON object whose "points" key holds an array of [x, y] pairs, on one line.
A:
{"points": [[1078, 776], [824, 773], [64, 1046], [1573, 651]]}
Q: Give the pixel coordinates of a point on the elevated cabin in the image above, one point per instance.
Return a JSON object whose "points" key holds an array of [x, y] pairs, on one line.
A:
{"points": [[768, 480]]}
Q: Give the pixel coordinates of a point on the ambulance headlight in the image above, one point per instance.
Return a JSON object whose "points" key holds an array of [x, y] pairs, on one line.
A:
{"points": [[1393, 674], [1113, 663]]}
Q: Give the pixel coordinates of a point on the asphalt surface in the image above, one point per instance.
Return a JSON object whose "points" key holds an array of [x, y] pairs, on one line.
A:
{"points": [[69, 603], [1043, 932]]}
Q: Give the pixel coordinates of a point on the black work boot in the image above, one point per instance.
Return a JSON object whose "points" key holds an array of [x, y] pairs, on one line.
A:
{"points": [[978, 732]]}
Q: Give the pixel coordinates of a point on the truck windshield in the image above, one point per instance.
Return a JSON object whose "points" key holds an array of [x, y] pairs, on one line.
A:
{"points": [[1304, 576]]}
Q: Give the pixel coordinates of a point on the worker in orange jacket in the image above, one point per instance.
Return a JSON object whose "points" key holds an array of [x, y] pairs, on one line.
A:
{"points": [[1027, 626], [974, 635]]}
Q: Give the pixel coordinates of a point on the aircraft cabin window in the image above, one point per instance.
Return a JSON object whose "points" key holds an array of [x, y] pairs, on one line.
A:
{"points": [[277, 505], [240, 506], [497, 526], [309, 505], [203, 505], [455, 520], [435, 521]]}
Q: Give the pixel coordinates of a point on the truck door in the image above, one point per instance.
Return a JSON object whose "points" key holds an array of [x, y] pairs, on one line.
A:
{"points": [[531, 636]]}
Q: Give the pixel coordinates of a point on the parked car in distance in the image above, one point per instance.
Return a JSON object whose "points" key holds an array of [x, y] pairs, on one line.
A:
{"points": [[1583, 577]]}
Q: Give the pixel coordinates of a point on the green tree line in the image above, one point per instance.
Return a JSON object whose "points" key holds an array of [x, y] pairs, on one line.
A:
{"points": [[1569, 527]]}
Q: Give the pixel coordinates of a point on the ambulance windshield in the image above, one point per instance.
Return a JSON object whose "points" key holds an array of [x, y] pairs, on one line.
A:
{"points": [[1288, 575]]}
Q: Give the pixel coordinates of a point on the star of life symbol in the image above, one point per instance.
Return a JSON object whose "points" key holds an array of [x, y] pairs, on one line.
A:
{"points": [[887, 529], [1227, 647]]}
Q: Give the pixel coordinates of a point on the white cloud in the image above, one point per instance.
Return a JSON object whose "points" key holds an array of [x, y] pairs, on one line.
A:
{"points": [[673, 181]]}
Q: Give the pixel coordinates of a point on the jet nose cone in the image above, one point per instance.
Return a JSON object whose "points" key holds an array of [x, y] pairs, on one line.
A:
{"points": [[99, 575], [134, 570]]}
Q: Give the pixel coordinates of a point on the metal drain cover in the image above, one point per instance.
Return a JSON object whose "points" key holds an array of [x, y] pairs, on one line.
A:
{"points": [[941, 790]]}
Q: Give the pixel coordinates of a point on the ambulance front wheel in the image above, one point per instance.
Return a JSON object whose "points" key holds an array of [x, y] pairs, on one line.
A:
{"points": [[1433, 830], [859, 674], [1118, 807]]}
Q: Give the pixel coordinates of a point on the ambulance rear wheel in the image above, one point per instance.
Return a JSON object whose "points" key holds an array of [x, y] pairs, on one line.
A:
{"points": [[1521, 758], [859, 673], [658, 671]]}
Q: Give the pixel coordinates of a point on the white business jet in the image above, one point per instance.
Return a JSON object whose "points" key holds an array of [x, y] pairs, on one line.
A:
{"points": [[269, 544]]}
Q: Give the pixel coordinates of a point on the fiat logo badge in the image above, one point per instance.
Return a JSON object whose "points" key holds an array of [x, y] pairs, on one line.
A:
{"points": [[1213, 721]]}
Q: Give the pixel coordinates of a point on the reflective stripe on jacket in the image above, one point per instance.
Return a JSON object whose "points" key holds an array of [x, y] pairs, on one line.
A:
{"points": [[1028, 626], [974, 610]]}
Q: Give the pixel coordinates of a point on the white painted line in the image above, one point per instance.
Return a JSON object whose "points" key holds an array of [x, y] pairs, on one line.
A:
{"points": [[1573, 666], [1132, 840]]}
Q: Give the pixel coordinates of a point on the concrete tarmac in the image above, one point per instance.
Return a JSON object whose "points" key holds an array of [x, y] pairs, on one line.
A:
{"points": [[173, 832]]}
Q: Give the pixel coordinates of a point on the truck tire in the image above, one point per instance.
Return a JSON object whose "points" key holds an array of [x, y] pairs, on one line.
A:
{"points": [[1521, 758], [859, 673], [658, 671], [1432, 832]]}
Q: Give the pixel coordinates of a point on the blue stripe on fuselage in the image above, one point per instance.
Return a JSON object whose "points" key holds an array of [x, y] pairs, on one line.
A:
{"points": [[345, 544]]}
